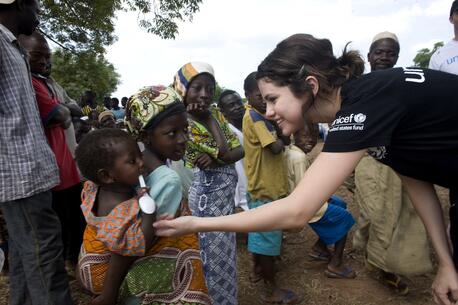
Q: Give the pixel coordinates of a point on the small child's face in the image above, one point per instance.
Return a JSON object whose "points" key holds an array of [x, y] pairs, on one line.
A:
{"points": [[168, 139], [128, 164]]}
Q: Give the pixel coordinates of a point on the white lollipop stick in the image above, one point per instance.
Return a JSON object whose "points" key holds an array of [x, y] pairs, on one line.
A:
{"points": [[142, 181], [146, 203]]}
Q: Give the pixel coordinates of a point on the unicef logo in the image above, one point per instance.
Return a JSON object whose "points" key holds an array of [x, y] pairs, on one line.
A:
{"points": [[360, 118]]}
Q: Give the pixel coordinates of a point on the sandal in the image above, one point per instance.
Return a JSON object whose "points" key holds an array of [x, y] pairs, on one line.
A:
{"points": [[346, 273], [397, 283], [319, 256], [288, 297]]}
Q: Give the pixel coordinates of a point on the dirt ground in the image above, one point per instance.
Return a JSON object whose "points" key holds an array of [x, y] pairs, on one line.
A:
{"points": [[305, 277]]}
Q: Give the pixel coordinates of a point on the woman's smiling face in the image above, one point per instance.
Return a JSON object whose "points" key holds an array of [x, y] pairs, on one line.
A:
{"points": [[283, 106]]}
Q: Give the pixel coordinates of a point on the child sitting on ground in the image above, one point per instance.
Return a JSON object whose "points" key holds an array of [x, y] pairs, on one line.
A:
{"points": [[121, 260]]}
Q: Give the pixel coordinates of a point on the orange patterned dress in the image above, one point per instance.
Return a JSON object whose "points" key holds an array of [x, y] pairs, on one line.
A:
{"points": [[170, 272]]}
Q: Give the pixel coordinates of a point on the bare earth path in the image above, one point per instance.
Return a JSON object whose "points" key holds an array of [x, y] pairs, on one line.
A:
{"points": [[297, 272]]}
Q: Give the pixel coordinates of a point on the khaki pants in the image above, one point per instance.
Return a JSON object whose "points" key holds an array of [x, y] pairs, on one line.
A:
{"points": [[389, 229]]}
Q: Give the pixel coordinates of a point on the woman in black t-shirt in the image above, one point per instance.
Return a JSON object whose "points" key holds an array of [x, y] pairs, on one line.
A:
{"points": [[405, 118]]}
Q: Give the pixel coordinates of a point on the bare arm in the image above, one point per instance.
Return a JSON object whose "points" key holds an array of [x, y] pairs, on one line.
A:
{"points": [[148, 230], [75, 110], [285, 139], [233, 155], [424, 199], [61, 117], [276, 147], [117, 270], [218, 135], [320, 181]]}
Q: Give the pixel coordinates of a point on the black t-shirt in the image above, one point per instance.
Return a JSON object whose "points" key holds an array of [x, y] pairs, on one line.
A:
{"points": [[406, 117]]}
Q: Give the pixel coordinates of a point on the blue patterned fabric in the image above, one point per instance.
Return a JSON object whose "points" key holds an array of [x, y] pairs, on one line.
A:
{"points": [[335, 223], [212, 194], [265, 243]]}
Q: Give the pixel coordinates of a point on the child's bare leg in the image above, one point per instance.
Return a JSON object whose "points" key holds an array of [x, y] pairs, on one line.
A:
{"points": [[320, 251], [266, 266], [256, 272], [336, 268], [320, 247], [275, 293]]}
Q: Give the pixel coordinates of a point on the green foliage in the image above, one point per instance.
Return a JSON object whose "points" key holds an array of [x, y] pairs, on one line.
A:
{"points": [[160, 17], [424, 55], [88, 25], [84, 71], [218, 90]]}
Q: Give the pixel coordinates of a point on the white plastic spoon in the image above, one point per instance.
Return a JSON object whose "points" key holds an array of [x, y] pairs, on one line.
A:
{"points": [[147, 204]]}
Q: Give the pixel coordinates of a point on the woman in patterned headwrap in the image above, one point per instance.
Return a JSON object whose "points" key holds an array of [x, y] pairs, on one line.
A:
{"points": [[212, 151], [170, 272]]}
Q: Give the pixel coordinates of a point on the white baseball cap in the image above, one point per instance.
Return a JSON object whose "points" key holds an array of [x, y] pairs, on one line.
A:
{"points": [[6, 1]]}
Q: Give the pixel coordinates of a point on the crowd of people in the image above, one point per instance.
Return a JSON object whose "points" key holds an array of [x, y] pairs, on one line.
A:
{"points": [[77, 178]]}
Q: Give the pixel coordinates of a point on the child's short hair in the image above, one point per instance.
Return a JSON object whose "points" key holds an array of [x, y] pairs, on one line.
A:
{"points": [[250, 83], [95, 151]]}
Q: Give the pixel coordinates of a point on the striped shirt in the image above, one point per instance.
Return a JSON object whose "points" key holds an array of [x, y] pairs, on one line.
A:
{"points": [[27, 164]]}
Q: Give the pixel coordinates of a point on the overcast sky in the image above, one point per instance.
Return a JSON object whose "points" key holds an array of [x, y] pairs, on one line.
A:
{"points": [[235, 36]]}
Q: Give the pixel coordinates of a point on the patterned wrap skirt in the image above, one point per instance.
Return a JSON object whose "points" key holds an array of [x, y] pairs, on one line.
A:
{"points": [[171, 272], [212, 194]]}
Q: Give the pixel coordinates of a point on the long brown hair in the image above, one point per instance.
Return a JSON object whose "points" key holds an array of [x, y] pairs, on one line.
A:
{"points": [[302, 55]]}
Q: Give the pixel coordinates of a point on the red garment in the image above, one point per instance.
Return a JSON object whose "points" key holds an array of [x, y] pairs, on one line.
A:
{"points": [[48, 105]]}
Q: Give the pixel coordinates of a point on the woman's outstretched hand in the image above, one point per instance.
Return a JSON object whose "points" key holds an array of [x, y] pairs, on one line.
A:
{"points": [[174, 227], [445, 286]]}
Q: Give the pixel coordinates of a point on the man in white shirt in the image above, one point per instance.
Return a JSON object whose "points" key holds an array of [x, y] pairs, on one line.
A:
{"points": [[231, 105], [446, 58]]}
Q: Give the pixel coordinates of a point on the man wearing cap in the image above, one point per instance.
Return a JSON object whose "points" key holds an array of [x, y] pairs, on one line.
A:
{"points": [[446, 58], [28, 171], [107, 119], [390, 232]]}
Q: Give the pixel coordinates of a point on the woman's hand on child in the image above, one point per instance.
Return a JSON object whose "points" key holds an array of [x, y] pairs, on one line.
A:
{"points": [[204, 161], [174, 227]]}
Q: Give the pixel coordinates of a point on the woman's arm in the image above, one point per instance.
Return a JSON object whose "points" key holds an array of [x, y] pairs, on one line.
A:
{"points": [[320, 181], [424, 199]]}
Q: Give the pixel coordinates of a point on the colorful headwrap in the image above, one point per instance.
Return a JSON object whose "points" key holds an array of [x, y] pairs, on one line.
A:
{"points": [[185, 75], [149, 106]]}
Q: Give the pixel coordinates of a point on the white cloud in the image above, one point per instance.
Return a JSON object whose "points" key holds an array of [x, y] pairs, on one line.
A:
{"points": [[234, 36]]}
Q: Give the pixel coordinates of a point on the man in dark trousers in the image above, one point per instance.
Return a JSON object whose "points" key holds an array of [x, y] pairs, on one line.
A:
{"points": [[28, 171]]}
